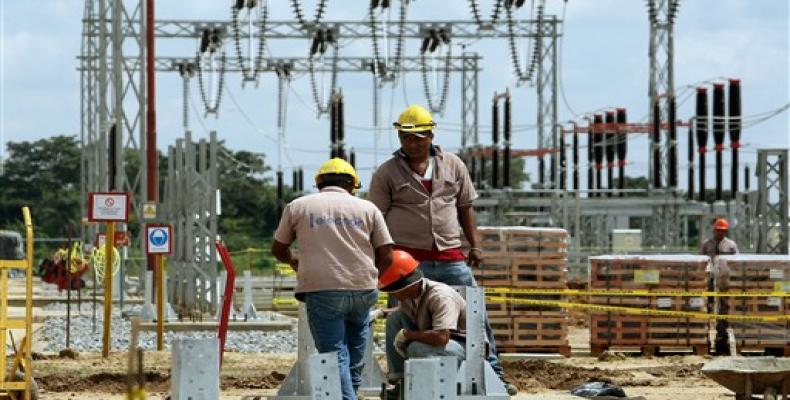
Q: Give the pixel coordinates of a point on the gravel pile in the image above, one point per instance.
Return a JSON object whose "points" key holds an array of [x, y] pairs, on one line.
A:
{"points": [[84, 338]]}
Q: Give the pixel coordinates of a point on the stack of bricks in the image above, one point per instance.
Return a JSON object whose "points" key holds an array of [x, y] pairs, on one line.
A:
{"points": [[526, 258], [761, 274], [659, 273]]}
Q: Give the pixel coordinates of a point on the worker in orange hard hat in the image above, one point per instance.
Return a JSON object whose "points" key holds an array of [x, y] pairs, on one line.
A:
{"points": [[344, 245], [430, 320], [717, 245]]}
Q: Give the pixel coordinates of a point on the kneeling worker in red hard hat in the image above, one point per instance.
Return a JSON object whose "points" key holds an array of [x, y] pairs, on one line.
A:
{"points": [[430, 319], [344, 244]]}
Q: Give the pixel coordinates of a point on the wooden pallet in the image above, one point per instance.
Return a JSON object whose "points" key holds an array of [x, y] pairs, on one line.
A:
{"points": [[531, 272], [769, 350], [564, 350], [494, 272], [532, 334], [523, 242], [618, 330], [677, 331], [755, 272], [652, 350], [649, 272], [694, 304]]}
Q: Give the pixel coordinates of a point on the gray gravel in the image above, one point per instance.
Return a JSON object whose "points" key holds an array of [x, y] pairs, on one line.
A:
{"points": [[85, 339]]}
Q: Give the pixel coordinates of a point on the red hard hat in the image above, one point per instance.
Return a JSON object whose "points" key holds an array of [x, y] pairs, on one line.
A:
{"points": [[403, 266], [721, 224]]}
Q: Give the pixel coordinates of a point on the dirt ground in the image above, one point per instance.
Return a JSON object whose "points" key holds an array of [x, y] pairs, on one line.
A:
{"points": [[662, 378]]}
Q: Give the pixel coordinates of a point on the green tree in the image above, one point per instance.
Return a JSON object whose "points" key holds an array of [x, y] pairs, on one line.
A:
{"points": [[44, 175]]}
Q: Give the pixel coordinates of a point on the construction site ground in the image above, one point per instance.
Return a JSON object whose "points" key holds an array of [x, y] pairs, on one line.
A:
{"points": [[89, 376], [661, 378]]}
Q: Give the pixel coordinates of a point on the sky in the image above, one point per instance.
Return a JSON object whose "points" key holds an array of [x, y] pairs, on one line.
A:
{"points": [[604, 63]]}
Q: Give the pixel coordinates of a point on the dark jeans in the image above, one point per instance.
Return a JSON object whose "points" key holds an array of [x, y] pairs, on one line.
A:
{"points": [[339, 323], [397, 321]]}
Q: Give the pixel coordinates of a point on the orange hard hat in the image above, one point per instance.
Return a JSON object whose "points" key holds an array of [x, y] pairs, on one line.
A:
{"points": [[401, 273], [721, 224]]}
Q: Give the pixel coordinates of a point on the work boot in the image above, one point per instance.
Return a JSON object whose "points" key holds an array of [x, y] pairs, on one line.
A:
{"points": [[512, 390], [392, 392]]}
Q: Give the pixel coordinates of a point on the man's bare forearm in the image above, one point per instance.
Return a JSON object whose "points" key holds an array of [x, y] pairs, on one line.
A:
{"points": [[434, 338], [468, 222]]}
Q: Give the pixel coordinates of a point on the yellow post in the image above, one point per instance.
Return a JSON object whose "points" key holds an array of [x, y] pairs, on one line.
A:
{"points": [[108, 250], [28, 342], [160, 304]]}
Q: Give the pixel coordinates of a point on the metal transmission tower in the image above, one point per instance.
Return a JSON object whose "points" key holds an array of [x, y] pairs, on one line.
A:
{"points": [[112, 101], [545, 31], [773, 205], [191, 206], [661, 14], [663, 165]]}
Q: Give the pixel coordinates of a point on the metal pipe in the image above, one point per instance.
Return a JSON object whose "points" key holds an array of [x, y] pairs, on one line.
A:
{"points": [[152, 160], [495, 143], [508, 135], [279, 194], [719, 120], [735, 130], [598, 149], [563, 160], [112, 154], [622, 147], [590, 160], [341, 133], [333, 127], [701, 127], [656, 131], [575, 157], [609, 134], [673, 139], [691, 161], [746, 178]]}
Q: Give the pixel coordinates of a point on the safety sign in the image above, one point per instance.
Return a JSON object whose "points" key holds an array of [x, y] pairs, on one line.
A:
{"points": [[158, 239], [108, 207]]}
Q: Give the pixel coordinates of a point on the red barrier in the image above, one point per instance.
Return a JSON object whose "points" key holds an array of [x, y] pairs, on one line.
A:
{"points": [[227, 298]]}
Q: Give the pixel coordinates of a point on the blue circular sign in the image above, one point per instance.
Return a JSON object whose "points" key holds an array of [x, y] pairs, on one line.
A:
{"points": [[158, 237]]}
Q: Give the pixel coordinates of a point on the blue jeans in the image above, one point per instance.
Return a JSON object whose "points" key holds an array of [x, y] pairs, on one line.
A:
{"points": [[397, 321], [339, 323], [457, 273]]}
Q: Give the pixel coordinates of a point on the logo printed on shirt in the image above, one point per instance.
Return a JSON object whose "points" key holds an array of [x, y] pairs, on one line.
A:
{"points": [[316, 221]]}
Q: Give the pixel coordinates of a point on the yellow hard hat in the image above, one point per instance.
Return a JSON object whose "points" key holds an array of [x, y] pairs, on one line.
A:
{"points": [[338, 166], [415, 119]]}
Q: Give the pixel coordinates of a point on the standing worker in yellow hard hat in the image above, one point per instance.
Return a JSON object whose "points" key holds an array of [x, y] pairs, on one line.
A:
{"points": [[426, 196], [713, 247], [343, 245]]}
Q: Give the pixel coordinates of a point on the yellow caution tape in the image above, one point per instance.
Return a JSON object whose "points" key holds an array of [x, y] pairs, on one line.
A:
{"points": [[285, 301], [639, 292], [638, 311], [284, 269], [136, 393]]}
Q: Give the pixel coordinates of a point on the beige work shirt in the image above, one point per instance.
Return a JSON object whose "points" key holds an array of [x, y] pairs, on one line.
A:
{"points": [[337, 234], [438, 307], [713, 249], [416, 218]]}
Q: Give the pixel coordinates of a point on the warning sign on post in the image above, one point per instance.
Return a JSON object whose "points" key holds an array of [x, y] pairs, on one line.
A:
{"points": [[108, 207], [158, 239]]}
